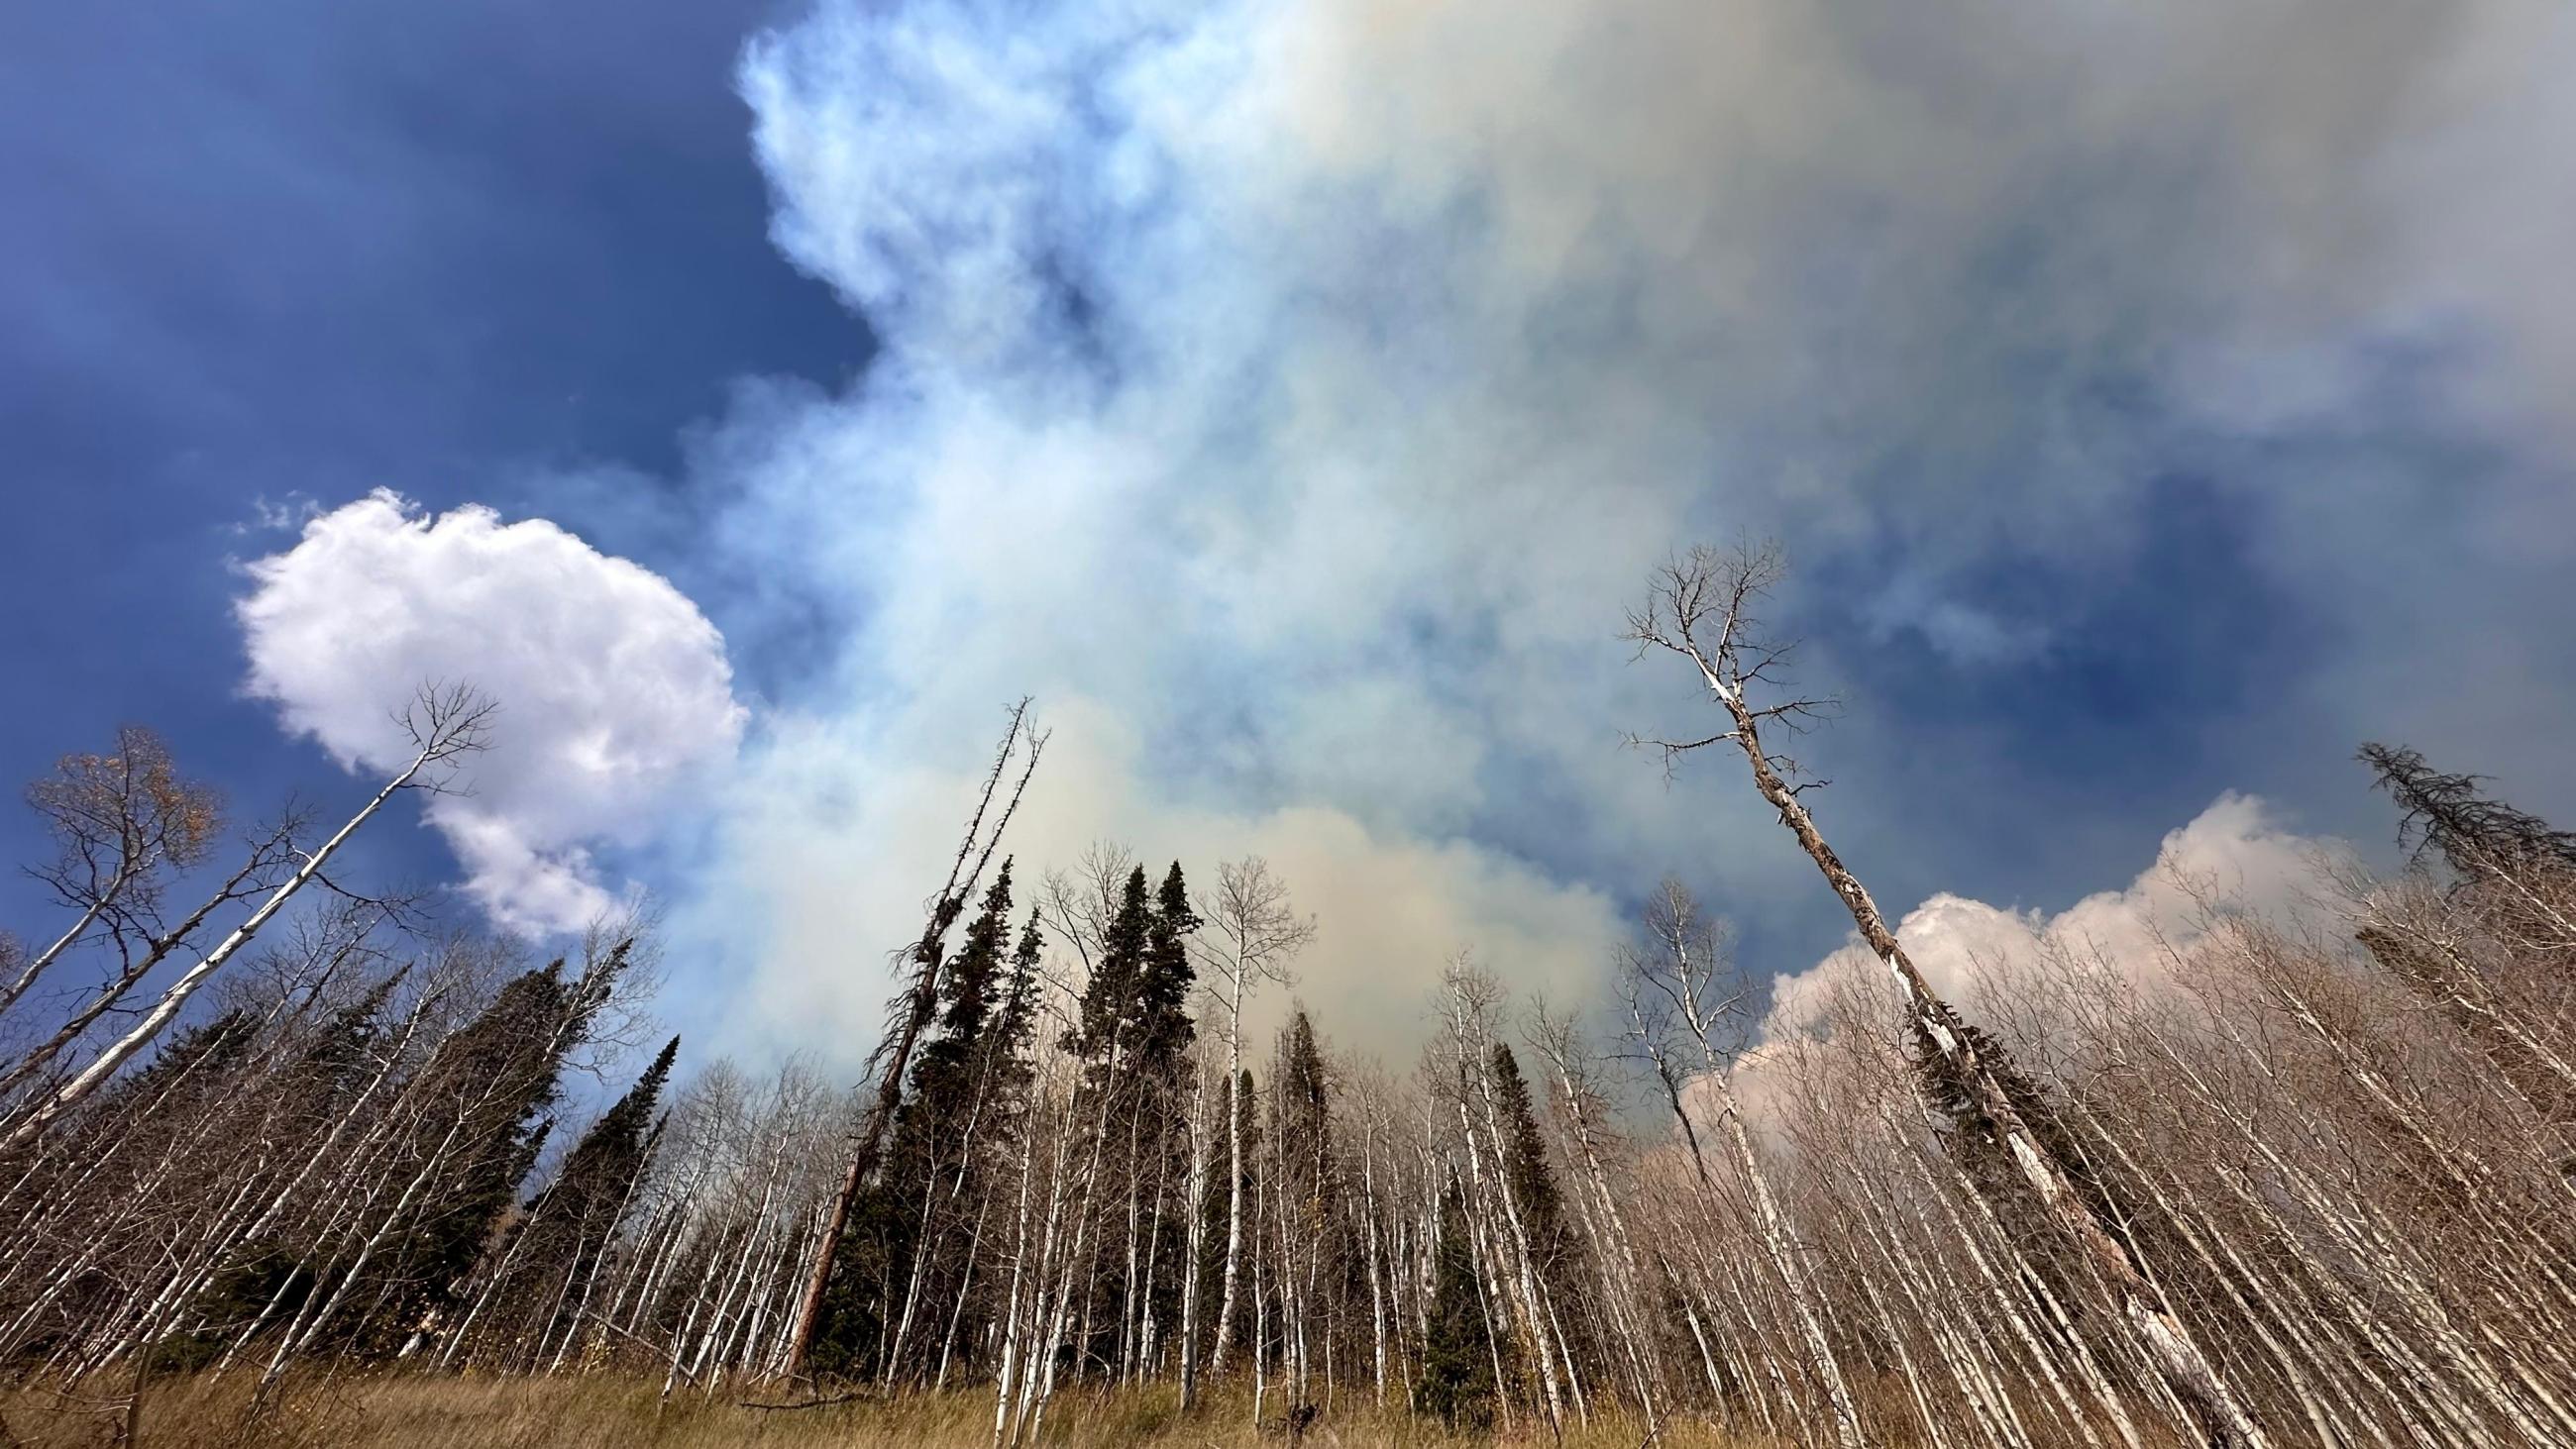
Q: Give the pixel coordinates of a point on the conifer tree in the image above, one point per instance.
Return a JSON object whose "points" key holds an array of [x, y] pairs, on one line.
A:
{"points": [[1976, 1142], [1534, 1190], [1302, 1101], [1213, 1301], [975, 983], [1012, 1036], [1163, 990], [1457, 1381], [941, 1146], [2513, 871], [1111, 1013], [192, 1063], [2446, 813], [568, 1226], [486, 1099], [1540, 1206]]}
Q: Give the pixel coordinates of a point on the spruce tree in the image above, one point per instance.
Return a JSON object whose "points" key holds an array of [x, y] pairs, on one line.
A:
{"points": [[1457, 1381], [1303, 1101], [944, 1140], [324, 1084], [1111, 1007], [1212, 1218], [2446, 813], [189, 1065], [1164, 1034], [490, 1089], [568, 1226], [1163, 990], [1011, 1037], [1534, 1190], [1974, 1143], [1305, 1086]]}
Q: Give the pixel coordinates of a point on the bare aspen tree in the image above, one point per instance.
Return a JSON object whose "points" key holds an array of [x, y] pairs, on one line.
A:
{"points": [[1472, 997], [1581, 1108], [268, 855], [118, 823], [1253, 934], [1700, 608], [1676, 980], [1203, 1100], [444, 723]]}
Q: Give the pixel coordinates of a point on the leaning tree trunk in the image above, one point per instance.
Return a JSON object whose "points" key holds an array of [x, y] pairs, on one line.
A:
{"points": [[919, 1002], [90, 1078], [2166, 1341]]}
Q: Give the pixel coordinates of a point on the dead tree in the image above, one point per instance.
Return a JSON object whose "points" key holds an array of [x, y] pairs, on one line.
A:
{"points": [[909, 1015], [1700, 608]]}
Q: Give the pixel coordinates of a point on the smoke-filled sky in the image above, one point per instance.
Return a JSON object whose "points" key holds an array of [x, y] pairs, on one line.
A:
{"points": [[1291, 395]]}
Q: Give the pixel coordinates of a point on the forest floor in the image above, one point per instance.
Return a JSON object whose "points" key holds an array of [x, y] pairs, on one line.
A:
{"points": [[410, 1411]]}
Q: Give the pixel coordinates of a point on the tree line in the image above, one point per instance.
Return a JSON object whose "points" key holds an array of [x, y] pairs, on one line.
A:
{"points": [[2288, 1183]]}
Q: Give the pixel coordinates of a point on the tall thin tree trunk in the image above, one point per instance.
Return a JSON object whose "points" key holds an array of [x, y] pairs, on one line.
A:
{"points": [[103, 1066], [2167, 1342]]}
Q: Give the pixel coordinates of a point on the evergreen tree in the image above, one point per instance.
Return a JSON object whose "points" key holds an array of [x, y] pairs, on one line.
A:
{"points": [[1457, 1381], [342, 1057], [568, 1226], [2446, 813], [1011, 1037], [1975, 1143], [136, 1120], [324, 1082], [1133, 1038], [1163, 991], [1534, 1190], [1540, 1203], [944, 1147], [484, 1100], [1212, 1215], [1305, 1087], [1302, 1103], [1111, 1008], [189, 1067], [2514, 874]]}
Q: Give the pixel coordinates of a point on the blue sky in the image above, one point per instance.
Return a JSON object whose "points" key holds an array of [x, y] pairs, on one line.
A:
{"points": [[298, 251], [1291, 395]]}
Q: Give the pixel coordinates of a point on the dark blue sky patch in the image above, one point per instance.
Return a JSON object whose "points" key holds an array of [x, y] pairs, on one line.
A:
{"points": [[2152, 658], [314, 249]]}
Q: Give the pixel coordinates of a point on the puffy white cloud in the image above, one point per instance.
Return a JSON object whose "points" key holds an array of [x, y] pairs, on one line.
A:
{"points": [[2003, 966], [613, 689], [2231, 859]]}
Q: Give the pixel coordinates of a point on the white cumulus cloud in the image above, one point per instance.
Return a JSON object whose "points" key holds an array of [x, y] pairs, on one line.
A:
{"points": [[1997, 963], [613, 688], [2233, 857]]}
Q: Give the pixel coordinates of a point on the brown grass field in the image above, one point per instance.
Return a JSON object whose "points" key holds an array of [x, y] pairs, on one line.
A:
{"points": [[422, 1412]]}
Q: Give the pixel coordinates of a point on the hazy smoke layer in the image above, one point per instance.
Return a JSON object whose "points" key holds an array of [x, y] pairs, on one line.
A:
{"points": [[1290, 395]]}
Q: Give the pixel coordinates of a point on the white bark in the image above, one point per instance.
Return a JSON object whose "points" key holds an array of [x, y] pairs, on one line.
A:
{"points": [[103, 1066]]}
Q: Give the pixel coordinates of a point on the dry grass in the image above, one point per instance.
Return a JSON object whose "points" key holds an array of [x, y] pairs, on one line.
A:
{"points": [[418, 1412]]}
